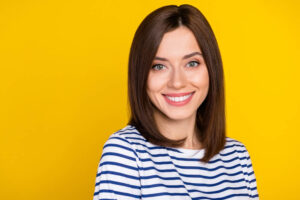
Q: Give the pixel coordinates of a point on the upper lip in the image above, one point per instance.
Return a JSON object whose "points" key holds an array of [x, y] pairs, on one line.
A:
{"points": [[177, 94]]}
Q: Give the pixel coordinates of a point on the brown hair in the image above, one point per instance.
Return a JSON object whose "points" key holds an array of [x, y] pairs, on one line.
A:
{"points": [[210, 119]]}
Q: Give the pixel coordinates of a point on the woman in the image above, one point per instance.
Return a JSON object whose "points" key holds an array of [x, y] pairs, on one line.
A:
{"points": [[174, 146]]}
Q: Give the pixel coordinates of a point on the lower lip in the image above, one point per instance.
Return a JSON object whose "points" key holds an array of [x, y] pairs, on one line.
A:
{"points": [[180, 103]]}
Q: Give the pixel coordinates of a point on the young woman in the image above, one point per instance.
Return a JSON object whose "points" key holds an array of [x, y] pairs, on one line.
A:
{"points": [[174, 146]]}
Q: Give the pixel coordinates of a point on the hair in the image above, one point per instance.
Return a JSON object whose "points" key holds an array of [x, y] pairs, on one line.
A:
{"points": [[210, 118]]}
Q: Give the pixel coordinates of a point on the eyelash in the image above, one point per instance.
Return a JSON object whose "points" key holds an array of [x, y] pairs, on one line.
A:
{"points": [[154, 66], [194, 62]]}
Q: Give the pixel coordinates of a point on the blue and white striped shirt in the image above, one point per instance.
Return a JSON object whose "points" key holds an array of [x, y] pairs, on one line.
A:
{"points": [[133, 168]]}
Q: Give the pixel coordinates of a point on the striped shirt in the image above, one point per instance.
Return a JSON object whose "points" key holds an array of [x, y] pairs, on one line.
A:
{"points": [[133, 168]]}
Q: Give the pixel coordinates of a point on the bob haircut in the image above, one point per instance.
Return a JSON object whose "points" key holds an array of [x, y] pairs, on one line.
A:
{"points": [[210, 118]]}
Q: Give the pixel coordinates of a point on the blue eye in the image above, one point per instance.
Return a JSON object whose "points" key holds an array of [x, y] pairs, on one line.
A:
{"points": [[158, 67], [193, 64]]}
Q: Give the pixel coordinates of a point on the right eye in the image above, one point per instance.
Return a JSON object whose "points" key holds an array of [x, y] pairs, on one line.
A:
{"points": [[158, 67]]}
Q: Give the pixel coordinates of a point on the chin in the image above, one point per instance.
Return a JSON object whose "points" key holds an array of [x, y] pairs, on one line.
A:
{"points": [[178, 116]]}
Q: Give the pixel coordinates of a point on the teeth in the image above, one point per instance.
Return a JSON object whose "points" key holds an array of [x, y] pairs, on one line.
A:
{"points": [[179, 99]]}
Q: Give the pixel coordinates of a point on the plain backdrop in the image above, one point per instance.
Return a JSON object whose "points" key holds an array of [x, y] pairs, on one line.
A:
{"points": [[63, 79]]}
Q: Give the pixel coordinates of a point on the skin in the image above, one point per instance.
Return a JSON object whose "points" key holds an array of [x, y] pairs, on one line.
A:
{"points": [[172, 75]]}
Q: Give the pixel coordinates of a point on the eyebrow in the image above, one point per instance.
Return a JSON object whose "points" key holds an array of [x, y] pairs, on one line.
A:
{"points": [[184, 57]]}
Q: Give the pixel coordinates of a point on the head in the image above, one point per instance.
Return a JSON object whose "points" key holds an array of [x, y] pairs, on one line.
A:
{"points": [[150, 80]]}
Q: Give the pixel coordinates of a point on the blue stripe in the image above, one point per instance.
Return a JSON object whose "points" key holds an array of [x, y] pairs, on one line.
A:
{"points": [[192, 175], [228, 140], [131, 133], [227, 197], [252, 189], [119, 146], [127, 129], [213, 169], [212, 161], [118, 164], [134, 138], [160, 177], [155, 147], [96, 193], [156, 162], [118, 183], [232, 152], [195, 184], [230, 160], [210, 177], [162, 185], [219, 191], [215, 184], [253, 180], [173, 149], [118, 174], [118, 193], [118, 155], [159, 170], [164, 194], [233, 145], [248, 174], [198, 184], [153, 155]]}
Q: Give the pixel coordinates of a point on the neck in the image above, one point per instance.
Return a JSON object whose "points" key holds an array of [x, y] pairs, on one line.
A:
{"points": [[179, 129]]}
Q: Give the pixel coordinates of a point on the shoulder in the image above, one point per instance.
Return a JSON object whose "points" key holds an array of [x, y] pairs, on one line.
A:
{"points": [[117, 175], [128, 133], [123, 143], [118, 152], [127, 136], [233, 144], [235, 150]]}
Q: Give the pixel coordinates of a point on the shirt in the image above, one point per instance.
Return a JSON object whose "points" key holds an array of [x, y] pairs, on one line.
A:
{"points": [[133, 168]]}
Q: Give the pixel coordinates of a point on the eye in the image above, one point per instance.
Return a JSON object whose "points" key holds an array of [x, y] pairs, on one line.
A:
{"points": [[158, 67], [193, 64]]}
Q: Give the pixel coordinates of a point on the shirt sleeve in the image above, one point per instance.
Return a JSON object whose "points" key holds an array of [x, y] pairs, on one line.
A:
{"points": [[118, 174], [249, 174]]}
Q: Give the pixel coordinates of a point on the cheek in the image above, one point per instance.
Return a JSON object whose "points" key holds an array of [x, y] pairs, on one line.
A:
{"points": [[200, 79], [155, 83]]}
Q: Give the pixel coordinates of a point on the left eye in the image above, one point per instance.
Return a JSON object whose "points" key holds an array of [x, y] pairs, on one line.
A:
{"points": [[193, 64]]}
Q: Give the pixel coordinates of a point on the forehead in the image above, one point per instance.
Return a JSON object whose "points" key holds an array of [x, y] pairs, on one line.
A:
{"points": [[178, 42]]}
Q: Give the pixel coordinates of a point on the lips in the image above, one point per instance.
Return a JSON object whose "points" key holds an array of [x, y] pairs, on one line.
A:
{"points": [[178, 99]]}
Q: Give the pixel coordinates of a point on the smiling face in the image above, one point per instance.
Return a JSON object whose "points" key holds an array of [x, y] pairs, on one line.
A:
{"points": [[178, 81]]}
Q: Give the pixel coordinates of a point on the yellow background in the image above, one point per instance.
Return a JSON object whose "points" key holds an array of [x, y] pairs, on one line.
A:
{"points": [[63, 77]]}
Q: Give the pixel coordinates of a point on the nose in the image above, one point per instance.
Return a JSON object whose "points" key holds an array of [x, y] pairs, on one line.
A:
{"points": [[177, 79]]}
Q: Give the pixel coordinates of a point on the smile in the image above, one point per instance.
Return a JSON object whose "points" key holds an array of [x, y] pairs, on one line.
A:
{"points": [[179, 99]]}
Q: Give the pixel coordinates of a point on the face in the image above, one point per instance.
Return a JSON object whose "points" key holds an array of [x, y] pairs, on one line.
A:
{"points": [[178, 81]]}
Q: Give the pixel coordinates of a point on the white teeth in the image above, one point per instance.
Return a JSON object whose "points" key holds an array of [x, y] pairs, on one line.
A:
{"points": [[179, 99]]}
